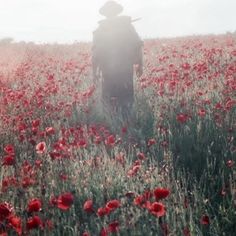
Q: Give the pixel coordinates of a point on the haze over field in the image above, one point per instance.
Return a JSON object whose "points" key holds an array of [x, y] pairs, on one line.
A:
{"points": [[66, 21]]}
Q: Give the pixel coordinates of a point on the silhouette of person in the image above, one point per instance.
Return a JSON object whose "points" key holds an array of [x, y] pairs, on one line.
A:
{"points": [[116, 49]]}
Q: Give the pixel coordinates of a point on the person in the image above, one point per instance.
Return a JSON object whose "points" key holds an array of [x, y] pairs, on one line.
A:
{"points": [[116, 49]]}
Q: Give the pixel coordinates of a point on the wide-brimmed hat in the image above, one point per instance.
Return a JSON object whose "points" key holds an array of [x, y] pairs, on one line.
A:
{"points": [[111, 8]]}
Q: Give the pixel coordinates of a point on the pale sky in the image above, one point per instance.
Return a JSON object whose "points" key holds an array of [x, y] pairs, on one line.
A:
{"points": [[66, 21]]}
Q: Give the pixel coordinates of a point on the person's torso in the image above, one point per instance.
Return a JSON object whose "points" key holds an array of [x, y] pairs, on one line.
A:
{"points": [[115, 40]]}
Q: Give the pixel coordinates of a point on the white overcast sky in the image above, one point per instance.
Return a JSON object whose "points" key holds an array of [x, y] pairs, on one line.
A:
{"points": [[66, 21]]}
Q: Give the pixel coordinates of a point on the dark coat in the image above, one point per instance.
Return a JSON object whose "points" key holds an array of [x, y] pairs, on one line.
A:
{"points": [[116, 48]]}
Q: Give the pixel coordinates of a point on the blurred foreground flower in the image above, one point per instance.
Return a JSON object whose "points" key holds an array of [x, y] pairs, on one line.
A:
{"points": [[157, 209], [65, 201], [113, 204], [34, 205], [5, 211], [16, 224], [113, 227], [182, 118], [88, 206], [34, 223], [161, 193]]}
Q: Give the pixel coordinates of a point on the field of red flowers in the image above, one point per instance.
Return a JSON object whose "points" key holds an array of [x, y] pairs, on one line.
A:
{"points": [[69, 168]]}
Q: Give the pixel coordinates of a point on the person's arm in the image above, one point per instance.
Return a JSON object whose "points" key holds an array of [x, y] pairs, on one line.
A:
{"points": [[139, 59], [137, 47], [95, 66]]}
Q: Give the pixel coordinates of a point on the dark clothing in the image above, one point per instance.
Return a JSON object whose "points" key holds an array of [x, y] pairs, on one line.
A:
{"points": [[116, 48]]}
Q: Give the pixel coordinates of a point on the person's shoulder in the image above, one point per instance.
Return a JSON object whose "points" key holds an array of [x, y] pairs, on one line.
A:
{"points": [[124, 19], [101, 25], [101, 22], [117, 19], [104, 24]]}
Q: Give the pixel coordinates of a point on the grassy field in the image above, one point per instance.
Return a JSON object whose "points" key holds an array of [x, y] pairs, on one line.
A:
{"points": [[70, 168]]}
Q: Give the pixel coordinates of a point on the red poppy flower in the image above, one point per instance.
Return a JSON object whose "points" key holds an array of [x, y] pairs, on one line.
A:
{"points": [[164, 144], [104, 232], [65, 201], [8, 182], [161, 193], [141, 156], [55, 155], [218, 106], [182, 118], [41, 147], [34, 205], [88, 206], [22, 127], [143, 200], [113, 204], [124, 129], [50, 131], [38, 163], [5, 210], [113, 227], [186, 66], [15, 223], [110, 140], [9, 149], [34, 223], [36, 123], [82, 143], [32, 141], [63, 177], [139, 200], [186, 232], [27, 181], [134, 170], [97, 139], [201, 113], [157, 209], [205, 220], [8, 161], [151, 142], [34, 130], [102, 211]]}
